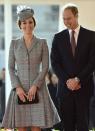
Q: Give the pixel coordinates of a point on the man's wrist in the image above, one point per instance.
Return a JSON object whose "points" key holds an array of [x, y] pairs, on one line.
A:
{"points": [[77, 79]]}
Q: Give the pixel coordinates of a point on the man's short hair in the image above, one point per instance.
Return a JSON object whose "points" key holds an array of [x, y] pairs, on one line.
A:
{"points": [[71, 7]]}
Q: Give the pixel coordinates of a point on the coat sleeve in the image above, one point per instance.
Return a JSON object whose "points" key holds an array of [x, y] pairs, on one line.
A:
{"points": [[11, 65], [45, 65], [56, 61]]}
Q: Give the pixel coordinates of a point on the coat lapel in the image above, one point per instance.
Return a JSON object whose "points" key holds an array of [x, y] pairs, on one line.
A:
{"points": [[33, 44], [22, 45]]}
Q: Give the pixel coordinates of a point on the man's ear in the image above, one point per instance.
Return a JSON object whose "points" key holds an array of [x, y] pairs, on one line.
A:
{"points": [[77, 15]]}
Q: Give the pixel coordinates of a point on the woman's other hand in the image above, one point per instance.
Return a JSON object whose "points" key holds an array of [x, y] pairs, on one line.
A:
{"points": [[32, 92], [20, 92]]}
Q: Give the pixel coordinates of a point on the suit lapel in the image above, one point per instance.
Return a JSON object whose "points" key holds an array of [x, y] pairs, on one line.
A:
{"points": [[79, 42], [67, 41], [68, 44]]}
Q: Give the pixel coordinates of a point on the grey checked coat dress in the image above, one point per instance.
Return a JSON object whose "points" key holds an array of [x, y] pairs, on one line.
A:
{"points": [[27, 68]]}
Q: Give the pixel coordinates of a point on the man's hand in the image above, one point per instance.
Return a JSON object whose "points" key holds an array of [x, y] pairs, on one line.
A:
{"points": [[73, 84]]}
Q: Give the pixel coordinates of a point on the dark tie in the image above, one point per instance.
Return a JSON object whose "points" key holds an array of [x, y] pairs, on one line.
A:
{"points": [[73, 43]]}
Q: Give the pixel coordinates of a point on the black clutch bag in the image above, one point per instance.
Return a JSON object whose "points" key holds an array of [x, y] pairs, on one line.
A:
{"points": [[34, 101]]}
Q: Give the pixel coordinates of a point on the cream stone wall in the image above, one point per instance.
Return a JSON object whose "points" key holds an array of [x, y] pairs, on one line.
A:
{"points": [[86, 8], [86, 13]]}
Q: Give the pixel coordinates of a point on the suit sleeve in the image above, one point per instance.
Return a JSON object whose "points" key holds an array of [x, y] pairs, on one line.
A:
{"points": [[90, 67], [56, 64], [45, 65], [11, 65]]}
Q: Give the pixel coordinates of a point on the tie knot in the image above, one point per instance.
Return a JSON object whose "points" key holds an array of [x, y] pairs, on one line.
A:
{"points": [[73, 31]]}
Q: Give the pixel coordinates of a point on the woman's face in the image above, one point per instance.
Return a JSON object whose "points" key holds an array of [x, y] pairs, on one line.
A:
{"points": [[27, 26]]}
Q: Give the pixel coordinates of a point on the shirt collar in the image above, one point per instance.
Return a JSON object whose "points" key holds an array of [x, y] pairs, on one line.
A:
{"points": [[76, 30]]}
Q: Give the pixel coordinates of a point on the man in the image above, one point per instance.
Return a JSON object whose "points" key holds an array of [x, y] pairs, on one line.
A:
{"points": [[73, 61], [92, 107]]}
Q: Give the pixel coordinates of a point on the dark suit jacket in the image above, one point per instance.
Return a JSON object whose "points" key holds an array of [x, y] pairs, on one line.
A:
{"points": [[81, 65]]}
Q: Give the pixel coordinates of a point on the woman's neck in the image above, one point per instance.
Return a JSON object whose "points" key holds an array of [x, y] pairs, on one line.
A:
{"points": [[28, 40]]}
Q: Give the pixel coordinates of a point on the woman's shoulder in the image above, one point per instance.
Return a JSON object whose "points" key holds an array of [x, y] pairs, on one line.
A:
{"points": [[41, 40], [16, 41]]}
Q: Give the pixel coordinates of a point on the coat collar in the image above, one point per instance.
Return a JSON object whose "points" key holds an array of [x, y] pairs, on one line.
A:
{"points": [[34, 42]]}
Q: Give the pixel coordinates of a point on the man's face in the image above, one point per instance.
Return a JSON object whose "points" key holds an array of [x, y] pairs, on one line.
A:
{"points": [[70, 20]]}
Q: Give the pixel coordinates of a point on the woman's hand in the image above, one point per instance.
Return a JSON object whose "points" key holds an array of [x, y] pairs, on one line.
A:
{"points": [[20, 92], [31, 93]]}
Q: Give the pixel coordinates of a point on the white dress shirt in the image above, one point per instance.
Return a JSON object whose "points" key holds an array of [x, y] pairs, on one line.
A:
{"points": [[75, 34]]}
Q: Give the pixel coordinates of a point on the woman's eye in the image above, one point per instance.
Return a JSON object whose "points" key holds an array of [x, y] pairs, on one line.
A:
{"points": [[30, 22]]}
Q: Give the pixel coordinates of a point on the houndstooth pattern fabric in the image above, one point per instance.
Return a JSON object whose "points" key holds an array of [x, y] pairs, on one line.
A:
{"points": [[27, 68]]}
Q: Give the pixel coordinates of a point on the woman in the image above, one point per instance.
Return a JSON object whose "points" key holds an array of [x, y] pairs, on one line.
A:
{"points": [[28, 65], [52, 84]]}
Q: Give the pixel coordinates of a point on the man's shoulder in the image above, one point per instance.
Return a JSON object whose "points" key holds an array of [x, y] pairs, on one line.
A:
{"points": [[87, 30], [61, 33], [89, 34]]}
